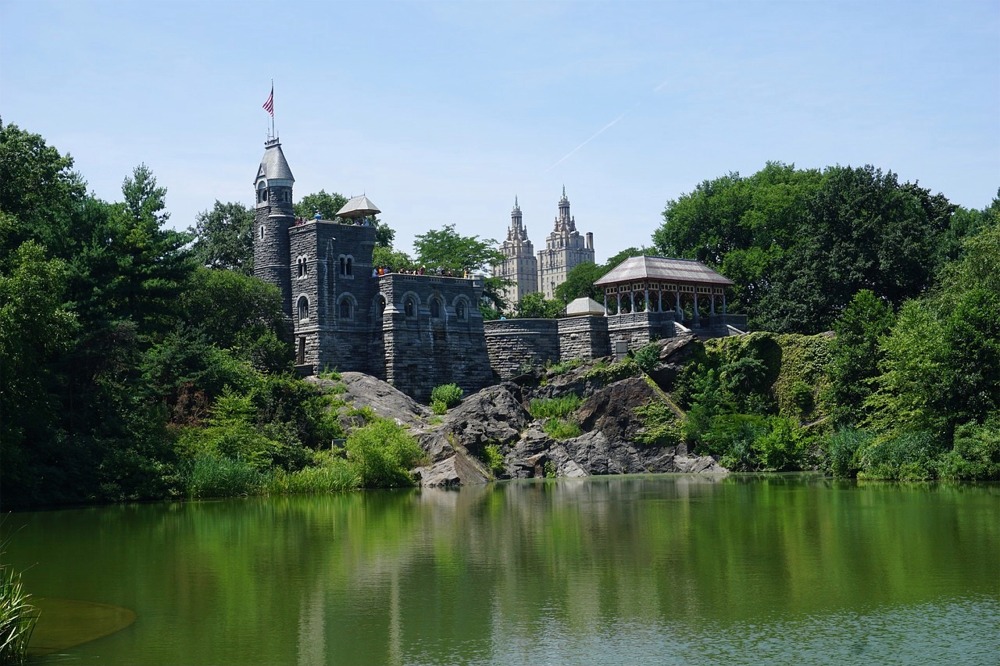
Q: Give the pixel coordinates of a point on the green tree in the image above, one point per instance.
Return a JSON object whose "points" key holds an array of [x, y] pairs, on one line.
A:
{"points": [[855, 353], [580, 282], [329, 204], [223, 237], [447, 249], [536, 306], [862, 229]]}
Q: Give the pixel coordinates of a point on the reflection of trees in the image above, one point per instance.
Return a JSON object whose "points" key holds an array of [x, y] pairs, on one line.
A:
{"points": [[393, 577]]}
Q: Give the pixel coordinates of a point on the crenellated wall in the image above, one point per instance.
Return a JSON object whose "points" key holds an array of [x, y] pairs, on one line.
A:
{"points": [[432, 332]]}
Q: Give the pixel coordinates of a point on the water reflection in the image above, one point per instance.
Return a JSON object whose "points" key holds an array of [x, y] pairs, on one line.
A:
{"points": [[524, 571]]}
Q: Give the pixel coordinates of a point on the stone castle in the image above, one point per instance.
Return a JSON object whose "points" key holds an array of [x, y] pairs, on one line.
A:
{"points": [[565, 248], [420, 331]]}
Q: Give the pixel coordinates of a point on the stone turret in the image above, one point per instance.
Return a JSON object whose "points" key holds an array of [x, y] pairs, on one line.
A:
{"points": [[274, 217]]}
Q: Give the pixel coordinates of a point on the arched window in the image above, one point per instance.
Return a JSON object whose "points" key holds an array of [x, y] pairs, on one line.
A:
{"points": [[261, 192], [380, 305], [303, 308], [343, 265], [262, 232], [345, 309], [435, 308], [410, 308], [303, 267], [350, 266], [461, 309]]}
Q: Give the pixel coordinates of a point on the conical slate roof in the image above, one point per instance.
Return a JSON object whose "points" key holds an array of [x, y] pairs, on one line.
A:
{"points": [[358, 207], [274, 166], [660, 268]]}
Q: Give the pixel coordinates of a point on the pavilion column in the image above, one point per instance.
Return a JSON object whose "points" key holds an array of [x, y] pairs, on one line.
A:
{"points": [[605, 304], [631, 300], [677, 305], [645, 304], [712, 296], [659, 293], [723, 303], [619, 310], [697, 317]]}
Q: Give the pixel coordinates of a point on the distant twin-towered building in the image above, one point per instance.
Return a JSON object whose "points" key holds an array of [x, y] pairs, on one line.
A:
{"points": [[565, 248], [420, 331]]}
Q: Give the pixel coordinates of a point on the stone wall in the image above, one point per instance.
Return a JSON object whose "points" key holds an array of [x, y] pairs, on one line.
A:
{"points": [[640, 328], [583, 337], [432, 332], [514, 344]]}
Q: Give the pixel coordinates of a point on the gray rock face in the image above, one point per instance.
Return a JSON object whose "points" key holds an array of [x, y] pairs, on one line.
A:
{"points": [[498, 416], [385, 400]]}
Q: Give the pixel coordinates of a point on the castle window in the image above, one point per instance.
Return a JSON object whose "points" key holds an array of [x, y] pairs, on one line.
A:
{"points": [[346, 307], [410, 308], [435, 308], [302, 265], [380, 304], [262, 232], [303, 308], [346, 265], [461, 309]]}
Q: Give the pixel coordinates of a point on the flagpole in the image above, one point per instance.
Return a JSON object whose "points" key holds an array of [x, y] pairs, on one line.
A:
{"points": [[273, 135]]}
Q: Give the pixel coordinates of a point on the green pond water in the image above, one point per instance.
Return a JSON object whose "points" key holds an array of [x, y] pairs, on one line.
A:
{"points": [[625, 570]]}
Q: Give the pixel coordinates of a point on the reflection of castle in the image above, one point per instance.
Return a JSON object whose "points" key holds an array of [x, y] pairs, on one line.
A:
{"points": [[564, 249], [416, 331], [420, 331]]}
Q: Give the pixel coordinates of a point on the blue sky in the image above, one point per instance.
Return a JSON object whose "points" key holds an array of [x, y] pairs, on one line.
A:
{"points": [[442, 112]]}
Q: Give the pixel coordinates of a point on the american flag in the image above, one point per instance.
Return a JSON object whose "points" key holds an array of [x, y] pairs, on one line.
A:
{"points": [[269, 104]]}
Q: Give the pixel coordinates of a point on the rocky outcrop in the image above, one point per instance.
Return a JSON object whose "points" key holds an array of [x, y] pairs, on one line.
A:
{"points": [[498, 416]]}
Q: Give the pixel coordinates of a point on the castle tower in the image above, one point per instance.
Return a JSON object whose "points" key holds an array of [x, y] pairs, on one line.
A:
{"points": [[519, 264], [564, 249], [274, 217]]}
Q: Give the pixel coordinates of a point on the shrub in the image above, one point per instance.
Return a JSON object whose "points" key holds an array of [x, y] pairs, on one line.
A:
{"points": [[842, 451], [447, 394], [541, 408], [782, 447], [976, 455], [564, 366], [660, 426], [382, 454], [606, 373], [557, 428], [907, 456], [647, 357], [493, 458]]}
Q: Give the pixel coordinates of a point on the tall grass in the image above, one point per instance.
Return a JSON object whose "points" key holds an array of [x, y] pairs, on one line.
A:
{"points": [[554, 407], [332, 475], [219, 476], [17, 616]]}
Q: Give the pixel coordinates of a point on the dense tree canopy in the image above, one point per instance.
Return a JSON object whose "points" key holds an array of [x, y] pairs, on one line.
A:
{"points": [[800, 244], [224, 237]]}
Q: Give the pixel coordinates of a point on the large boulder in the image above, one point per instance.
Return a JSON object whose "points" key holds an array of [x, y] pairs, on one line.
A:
{"points": [[383, 398], [611, 410], [456, 470], [494, 415]]}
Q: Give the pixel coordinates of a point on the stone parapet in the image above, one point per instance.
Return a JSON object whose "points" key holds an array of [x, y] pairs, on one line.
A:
{"points": [[583, 337], [516, 344]]}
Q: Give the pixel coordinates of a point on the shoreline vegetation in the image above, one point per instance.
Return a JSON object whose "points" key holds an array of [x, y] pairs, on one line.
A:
{"points": [[143, 363]]}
